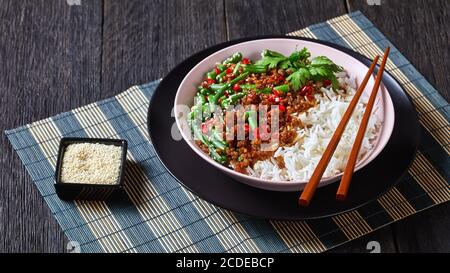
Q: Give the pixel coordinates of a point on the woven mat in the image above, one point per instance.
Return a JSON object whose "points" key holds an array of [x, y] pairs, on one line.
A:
{"points": [[156, 214]]}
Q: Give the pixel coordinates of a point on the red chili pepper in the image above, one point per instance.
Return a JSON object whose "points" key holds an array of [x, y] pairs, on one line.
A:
{"points": [[246, 128], [229, 70], [281, 108], [236, 87], [256, 133], [306, 90], [204, 128], [272, 97], [211, 81], [217, 70], [326, 82], [245, 61], [276, 92]]}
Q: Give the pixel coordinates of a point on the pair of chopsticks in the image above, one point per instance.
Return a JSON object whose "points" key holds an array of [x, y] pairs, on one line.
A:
{"points": [[341, 194]]}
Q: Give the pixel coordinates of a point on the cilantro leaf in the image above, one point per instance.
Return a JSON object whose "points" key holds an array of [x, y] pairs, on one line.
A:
{"points": [[272, 62], [299, 78], [324, 62], [299, 55], [271, 58]]}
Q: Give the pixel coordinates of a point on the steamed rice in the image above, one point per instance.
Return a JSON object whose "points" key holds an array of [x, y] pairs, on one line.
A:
{"points": [[321, 121]]}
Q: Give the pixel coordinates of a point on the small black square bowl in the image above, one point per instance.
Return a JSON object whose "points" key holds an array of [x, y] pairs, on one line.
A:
{"points": [[80, 191]]}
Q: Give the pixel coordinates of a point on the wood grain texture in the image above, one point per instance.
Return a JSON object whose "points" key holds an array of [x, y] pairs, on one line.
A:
{"points": [[50, 55], [383, 236], [420, 30], [259, 17], [144, 40], [427, 231]]}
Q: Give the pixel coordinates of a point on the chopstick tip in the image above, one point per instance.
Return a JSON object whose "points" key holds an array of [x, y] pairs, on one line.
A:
{"points": [[341, 197], [303, 202]]}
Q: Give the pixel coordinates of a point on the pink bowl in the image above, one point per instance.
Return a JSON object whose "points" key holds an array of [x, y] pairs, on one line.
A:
{"points": [[383, 107]]}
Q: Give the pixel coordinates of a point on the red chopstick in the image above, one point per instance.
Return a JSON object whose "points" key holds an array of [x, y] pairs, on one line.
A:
{"points": [[311, 186], [342, 191]]}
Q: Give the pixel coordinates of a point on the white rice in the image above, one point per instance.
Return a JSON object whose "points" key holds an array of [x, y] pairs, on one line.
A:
{"points": [[301, 158]]}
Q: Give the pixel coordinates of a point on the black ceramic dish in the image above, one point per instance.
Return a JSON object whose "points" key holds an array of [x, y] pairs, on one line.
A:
{"points": [[80, 191], [212, 185]]}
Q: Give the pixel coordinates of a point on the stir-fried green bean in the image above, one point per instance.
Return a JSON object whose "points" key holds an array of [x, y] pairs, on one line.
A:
{"points": [[222, 90], [216, 86], [252, 119], [216, 156], [283, 88], [236, 57], [204, 91], [255, 68], [248, 86], [200, 99], [236, 69], [211, 75], [266, 90], [217, 140], [219, 78], [238, 78]]}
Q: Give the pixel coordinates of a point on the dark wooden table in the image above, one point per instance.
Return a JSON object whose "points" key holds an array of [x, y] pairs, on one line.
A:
{"points": [[55, 57]]}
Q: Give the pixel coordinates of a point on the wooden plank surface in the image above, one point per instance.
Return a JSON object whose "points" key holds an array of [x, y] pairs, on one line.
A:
{"points": [[50, 55], [57, 57], [420, 30], [259, 17], [144, 40], [422, 35]]}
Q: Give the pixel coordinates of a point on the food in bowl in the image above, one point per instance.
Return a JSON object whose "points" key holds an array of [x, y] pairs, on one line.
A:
{"points": [[273, 118]]}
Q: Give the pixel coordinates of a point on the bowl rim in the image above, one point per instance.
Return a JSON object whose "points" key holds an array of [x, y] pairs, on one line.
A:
{"points": [[266, 183]]}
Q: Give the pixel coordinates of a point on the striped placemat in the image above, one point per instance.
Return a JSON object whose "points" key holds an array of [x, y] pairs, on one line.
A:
{"points": [[156, 214]]}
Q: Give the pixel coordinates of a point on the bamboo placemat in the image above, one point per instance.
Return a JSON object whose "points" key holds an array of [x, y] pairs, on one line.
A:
{"points": [[156, 214]]}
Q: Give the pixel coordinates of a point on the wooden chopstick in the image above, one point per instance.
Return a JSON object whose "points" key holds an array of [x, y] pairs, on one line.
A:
{"points": [[342, 191], [311, 186]]}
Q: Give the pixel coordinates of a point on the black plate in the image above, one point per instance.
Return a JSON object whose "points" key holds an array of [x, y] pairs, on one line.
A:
{"points": [[212, 185]]}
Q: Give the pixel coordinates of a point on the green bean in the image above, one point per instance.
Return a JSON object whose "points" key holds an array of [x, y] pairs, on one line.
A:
{"points": [[225, 103], [266, 90], [217, 140], [238, 78], [216, 135], [211, 75], [219, 78], [248, 86], [283, 88], [255, 68], [234, 98], [192, 113], [215, 87], [251, 117], [221, 67], [222, 90], [236, 69], [218, 144], [236, 57], [216, 156], [204, 91], [199, 135], [199, 99]]}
